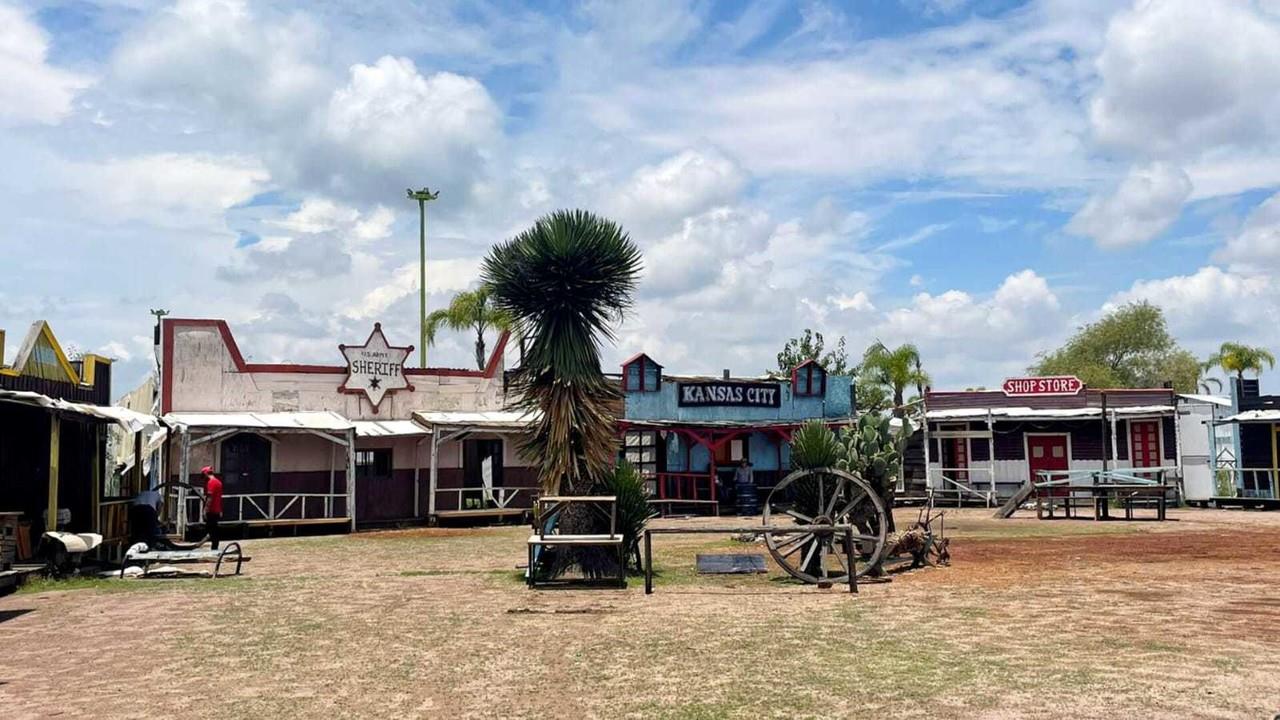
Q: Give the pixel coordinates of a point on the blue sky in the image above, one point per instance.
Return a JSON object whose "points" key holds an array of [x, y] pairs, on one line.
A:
{"points": [[979, 177]]}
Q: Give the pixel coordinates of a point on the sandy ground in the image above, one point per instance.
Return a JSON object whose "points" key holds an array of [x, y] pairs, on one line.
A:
{"points": [[1054, 618]]}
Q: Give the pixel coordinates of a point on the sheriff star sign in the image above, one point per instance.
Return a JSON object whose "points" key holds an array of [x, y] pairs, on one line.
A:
{"points": [[375, 368]]}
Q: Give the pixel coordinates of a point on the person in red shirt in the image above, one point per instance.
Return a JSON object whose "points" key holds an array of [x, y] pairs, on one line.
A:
{"points": [[212, 505]]}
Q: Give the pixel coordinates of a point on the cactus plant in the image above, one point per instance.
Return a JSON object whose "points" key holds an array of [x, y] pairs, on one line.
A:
{"points": [[870, 450]]}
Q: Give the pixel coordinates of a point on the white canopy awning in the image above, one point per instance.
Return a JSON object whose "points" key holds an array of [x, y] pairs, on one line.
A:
{"points": [[326, 421], [131, 420], [494, 420], [1026, 413], [390, 428], [1248, 416], [1207, 399]]}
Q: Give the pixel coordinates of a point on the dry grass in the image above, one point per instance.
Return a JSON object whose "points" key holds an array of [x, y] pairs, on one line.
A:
{"points": [[1068, 618]]}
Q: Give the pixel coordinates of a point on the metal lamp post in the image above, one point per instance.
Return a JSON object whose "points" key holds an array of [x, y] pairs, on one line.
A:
{"points": [[423, 197]]}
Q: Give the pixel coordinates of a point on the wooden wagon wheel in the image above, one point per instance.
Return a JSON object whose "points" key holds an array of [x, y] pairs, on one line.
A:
{"points": [[825, 496]]}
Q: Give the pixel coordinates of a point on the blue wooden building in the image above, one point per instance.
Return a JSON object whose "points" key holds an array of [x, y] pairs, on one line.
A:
{"points": [[689, 433]]}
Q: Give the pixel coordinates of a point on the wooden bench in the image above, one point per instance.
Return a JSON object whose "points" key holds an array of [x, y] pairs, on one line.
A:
{"points": [[550, 507], [187, 556]]}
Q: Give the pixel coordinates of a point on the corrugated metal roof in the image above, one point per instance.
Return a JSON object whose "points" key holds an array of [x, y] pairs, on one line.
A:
{"points": [[1210, 399], [1026, 413], [389, 428], [130, 420], [484, 419], [316, 420], [1253, 416]]}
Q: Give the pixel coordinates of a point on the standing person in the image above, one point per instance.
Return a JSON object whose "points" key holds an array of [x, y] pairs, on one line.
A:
{"points": [[212, 505], [744, 485]]}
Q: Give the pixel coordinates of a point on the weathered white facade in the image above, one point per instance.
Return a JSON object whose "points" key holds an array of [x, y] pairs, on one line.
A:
{"points": [[263, 428]]}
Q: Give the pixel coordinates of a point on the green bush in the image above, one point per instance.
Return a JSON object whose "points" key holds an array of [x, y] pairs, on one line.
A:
{"points": [[634, 511], [813, 445]]}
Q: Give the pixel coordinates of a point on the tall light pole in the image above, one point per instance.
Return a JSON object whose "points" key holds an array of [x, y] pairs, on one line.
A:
{"points": [[423, 197]]}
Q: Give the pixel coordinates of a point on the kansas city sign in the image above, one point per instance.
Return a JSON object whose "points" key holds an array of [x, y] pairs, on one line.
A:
{"points": [[739, 394], [1043, 386], [375, 368]]}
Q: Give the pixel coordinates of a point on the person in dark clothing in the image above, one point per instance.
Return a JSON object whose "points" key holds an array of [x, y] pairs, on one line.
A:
{"points": [[212, 505], [144, 521]]}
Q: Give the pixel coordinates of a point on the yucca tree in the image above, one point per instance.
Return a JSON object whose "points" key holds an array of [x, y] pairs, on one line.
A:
{"points": [[564, 283], [469, 310], [896, 369], [1239, 358]]}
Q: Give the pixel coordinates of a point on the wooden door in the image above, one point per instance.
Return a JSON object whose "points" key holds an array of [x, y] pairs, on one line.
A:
{"points": [[1144, 443], [955, 459], [1047, 453]]}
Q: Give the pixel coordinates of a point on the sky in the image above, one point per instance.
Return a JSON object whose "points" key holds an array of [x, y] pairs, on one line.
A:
{"points": [[978, 177]]}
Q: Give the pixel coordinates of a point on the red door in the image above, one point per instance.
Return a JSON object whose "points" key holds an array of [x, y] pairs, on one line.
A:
{"points": [[1047, 452], [1144, 443]]}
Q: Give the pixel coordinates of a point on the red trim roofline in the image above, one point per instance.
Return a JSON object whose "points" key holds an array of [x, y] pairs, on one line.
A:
{"points": [[167, 325]]}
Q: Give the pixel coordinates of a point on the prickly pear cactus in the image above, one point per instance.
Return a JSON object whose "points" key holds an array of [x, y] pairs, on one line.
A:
{"points": [[871, 451]]}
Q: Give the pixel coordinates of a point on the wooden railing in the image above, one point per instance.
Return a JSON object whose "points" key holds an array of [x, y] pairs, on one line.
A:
{"points": [[684, 486], [501, 498], [270, 507]]}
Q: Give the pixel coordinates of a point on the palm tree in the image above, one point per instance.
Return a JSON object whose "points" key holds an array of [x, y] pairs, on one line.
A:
{"points": [[469, 309], [1238, 358], [896, 369], [564, 283]]}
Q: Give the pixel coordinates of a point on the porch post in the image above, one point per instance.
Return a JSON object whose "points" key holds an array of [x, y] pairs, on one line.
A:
{"points": [[928, 473], [991, 451], [55, 443], [184, 477], [96, 475], [351, 477], [432, 474], [1115, 449]]}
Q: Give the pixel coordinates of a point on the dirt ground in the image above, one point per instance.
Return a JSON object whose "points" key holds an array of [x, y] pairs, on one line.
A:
{"points": [[1034, 619]]}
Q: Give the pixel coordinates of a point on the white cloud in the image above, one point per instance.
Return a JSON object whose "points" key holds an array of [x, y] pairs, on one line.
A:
{"points": [[703, 250], [115, 350], [442, 276], [170, 190], [681, 185], [1212, 305], [317, 215], [389, 121], [222, 59], [859, 302], [1257, 246], [955, 328], [1144, 205], [1183, 76], [33, 91]]}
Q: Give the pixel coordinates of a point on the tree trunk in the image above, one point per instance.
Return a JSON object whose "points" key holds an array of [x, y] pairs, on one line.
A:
{"points": [[898, 410], [480, 352]]}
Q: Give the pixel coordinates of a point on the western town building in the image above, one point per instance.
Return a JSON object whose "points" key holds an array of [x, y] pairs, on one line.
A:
{"points": [[687, 433], [1249, 474], [55, 412], [366, 442], [988, 444]]}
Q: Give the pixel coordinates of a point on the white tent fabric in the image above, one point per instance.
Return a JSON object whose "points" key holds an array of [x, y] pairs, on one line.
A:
{"points": [[318, 420], [130, 420]]}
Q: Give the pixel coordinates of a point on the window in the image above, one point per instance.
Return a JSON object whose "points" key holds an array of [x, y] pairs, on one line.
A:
{"points": [[809, 380], [640, 448], [373, 464], [641, 374]]}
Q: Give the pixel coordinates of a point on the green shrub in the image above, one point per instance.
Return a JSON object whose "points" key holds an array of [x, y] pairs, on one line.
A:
{"points": [[634, 511]]}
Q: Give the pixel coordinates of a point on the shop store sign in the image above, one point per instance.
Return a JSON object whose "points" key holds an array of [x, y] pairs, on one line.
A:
{"points": [[1057, 385], [733, 394], [375, 368]]}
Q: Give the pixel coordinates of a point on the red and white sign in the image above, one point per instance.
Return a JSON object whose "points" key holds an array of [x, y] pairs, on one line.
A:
{"points": [[375, 368], [1043, 386]]}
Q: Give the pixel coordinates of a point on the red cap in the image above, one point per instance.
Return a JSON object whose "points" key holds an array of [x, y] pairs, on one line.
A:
{"points": [[206, 470]]}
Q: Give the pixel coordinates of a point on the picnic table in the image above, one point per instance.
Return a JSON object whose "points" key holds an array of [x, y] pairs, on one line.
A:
{"points": [[548, 534], [217, 557], [1071, 496]]}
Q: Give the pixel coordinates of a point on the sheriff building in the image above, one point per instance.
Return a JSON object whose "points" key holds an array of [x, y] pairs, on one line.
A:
{"points": [[365, 442]]}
